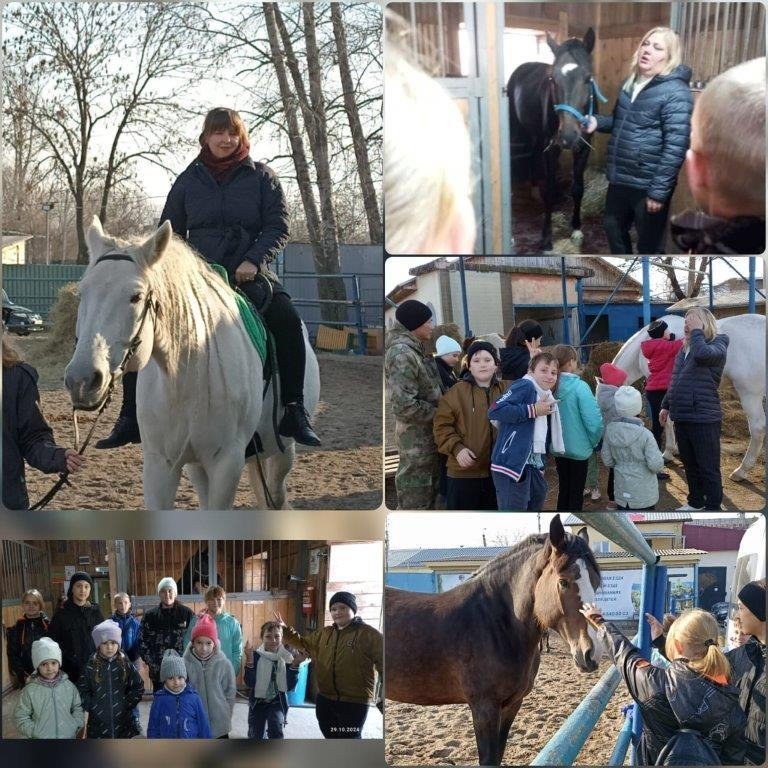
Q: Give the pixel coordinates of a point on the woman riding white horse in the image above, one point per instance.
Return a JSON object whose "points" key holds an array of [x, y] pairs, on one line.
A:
{"points": [[201, 383], [232, 210]]}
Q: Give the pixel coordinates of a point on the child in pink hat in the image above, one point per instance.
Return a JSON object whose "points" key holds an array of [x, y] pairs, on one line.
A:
{"points": [[211, 674]]}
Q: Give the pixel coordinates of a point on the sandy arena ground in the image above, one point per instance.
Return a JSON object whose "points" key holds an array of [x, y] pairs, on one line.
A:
{"points": [[421, 735], [345, 473]]}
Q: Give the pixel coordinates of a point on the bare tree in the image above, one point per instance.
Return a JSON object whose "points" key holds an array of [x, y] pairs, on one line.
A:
{"points": [[103, 61], [356, 128], [696, 271]]}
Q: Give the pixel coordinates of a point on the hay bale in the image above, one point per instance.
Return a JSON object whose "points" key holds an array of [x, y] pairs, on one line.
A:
{"points": [[64, 320], [599, 354], [595, 187], [566, 246]]}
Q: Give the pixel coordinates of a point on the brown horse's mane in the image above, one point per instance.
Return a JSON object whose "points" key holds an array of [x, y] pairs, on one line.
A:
{"points": [[503, 566]]}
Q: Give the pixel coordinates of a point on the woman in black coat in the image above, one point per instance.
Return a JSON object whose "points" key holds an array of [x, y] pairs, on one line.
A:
{"points": [[693, 403], [71, 626], [232, 211], [650, 131]]}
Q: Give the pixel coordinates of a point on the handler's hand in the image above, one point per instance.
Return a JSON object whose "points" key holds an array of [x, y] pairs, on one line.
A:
{"points": [[656, 628], [590, 126], [246, 272], [663, 416], [74, 460], [466, 458], [592, 614], [653, 206]]}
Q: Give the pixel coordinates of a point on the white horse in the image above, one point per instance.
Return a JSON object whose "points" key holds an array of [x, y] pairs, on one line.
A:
{"points": [[744, 366], [200, 383]]}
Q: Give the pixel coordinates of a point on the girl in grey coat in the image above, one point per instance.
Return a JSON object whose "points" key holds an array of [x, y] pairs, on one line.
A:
{"points": [[632, 451], [210, 673]]}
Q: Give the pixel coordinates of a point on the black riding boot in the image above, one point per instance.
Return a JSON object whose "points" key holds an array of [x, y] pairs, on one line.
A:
{"points": [[284, 322], [126, 429]]}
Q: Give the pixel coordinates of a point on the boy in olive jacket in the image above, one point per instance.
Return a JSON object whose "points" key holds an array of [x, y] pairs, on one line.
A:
{"points": [[347, 656]]}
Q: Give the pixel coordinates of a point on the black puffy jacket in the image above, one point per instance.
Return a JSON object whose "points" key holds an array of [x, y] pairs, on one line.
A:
{"points": [[26, 435], [692, 394], [514, 362], [243, 217], [20, 638], [748, 675], [160, 629], [650, 135], [71, 628], [677, 697]]}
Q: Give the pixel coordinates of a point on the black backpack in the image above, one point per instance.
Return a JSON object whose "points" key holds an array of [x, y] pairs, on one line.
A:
{"points": [[688, 747]]}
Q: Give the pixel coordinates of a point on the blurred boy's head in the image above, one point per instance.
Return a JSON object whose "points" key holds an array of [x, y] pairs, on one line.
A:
{"points": [[122, 603], [752, 608], [215, 597], [543, 368], [271, 636], [725, 164]]}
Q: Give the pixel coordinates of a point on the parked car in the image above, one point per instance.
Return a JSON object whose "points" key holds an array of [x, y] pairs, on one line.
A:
{"points": [[20, 319]]}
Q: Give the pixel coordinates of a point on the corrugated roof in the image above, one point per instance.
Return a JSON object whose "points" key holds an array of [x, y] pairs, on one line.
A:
{"points": [[422, 556], [660, 552], [741, 523], [397, 556], [639, 517]]}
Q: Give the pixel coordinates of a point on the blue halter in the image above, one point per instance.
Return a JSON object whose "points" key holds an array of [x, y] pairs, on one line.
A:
{"points": [[594, 91]]}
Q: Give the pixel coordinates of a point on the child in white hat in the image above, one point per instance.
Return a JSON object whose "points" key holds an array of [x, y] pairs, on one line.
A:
{"points": [[632, 451], [447, 354], [49, 707]]}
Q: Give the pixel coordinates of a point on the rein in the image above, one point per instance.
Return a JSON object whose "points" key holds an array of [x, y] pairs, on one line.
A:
{"points": [[130, 351]]}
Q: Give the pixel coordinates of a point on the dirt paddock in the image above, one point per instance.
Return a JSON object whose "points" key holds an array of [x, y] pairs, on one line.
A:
{"points": [[421, 735], [345, 473]]}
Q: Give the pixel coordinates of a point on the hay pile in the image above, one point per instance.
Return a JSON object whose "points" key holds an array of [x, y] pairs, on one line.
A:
{"points": [[600, 353], [446, 329], [58, 348]]}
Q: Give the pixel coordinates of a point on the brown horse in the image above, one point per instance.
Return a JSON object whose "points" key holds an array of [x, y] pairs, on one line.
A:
{"points": [[478, 643]]}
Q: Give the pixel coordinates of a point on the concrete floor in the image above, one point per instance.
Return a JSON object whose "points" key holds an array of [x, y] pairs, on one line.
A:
{"points": [[301, 724]]}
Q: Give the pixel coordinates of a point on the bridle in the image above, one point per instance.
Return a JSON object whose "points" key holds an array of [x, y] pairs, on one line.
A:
{"points": [[130, 351], [594, 93]]}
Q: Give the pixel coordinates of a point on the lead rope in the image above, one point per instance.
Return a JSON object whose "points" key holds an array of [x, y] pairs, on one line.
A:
{"points": [[129, 353]]}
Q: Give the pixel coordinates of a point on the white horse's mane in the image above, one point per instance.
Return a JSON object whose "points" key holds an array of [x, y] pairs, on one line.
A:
{"points": [[191, 299]]}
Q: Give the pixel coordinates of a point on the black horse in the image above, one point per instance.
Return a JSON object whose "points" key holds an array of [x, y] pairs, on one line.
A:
{"points": [[546, 104]]}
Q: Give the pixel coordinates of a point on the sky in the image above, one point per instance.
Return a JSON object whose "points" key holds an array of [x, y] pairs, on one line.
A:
{"points": [[396, 269], [406, 530]]}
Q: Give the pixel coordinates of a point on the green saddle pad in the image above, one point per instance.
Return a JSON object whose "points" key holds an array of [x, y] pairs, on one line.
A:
{"points": [[252, 321]]}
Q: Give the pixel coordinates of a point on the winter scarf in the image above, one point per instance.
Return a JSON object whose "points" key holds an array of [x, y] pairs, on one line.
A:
{"points": [[540, 425], [220, 167], [264, 670]]}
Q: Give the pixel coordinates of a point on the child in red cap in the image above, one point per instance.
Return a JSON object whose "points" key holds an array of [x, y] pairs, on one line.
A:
{"points": [[610, 379], [210, 673]]}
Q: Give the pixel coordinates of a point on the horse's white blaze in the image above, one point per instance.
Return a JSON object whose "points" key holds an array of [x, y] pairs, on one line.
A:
{"points": [[587, 595], [566, 68], [744, 366]]}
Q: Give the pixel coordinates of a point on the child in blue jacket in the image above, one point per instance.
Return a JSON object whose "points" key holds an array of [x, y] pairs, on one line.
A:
{"points": [[517, 460], [177, 710], [129, 626], [582, 430]]}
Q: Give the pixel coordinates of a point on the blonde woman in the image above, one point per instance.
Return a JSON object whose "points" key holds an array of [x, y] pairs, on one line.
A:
{"points": [[693, 403], [650, 132], [670, 698], [426, 159]]}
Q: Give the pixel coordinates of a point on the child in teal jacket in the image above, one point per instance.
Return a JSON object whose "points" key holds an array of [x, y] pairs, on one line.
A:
{"points": [[582, 429]]}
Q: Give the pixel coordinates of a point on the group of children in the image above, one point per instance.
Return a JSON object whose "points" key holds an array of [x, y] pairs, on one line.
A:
{"points": [[495, 434], [198, 690]]}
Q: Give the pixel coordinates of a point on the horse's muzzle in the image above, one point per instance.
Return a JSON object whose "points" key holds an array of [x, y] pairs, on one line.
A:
{"points": [[86, 393], [584, 661]]}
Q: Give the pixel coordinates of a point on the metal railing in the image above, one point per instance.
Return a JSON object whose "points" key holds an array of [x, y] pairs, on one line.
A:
{"points": [[23, 567]]}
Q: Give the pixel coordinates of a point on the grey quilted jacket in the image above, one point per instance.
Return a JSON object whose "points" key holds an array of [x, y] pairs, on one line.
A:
{"points": [[650, 135]]}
